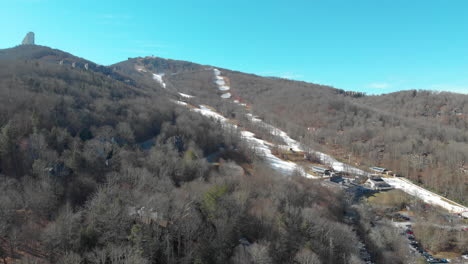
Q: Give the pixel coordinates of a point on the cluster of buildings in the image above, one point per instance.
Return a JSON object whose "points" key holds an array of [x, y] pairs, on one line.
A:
{"points": [[374, 181]]}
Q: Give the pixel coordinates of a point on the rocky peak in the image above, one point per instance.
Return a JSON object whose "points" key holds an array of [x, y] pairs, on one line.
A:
{"points": [[29, 39]]}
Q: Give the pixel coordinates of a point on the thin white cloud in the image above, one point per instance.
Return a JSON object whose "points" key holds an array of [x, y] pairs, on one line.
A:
{"points": [[289, 75], [379, 85], [450, 88], [281, 74]]}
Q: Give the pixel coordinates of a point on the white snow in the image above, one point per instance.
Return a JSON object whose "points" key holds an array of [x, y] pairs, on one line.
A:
{"points": [[255, 118], [425, 195], [226, 95], [206, 111], [159, 79], [291, 143], [263, 148], [337, 165], [185, 95], [221, 83], [140, 68], [239, 103], [179, 102]]}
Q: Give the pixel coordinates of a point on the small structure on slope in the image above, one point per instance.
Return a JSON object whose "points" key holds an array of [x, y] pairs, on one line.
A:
{"points": [[321, 171], [379, 170], [376, 183]]}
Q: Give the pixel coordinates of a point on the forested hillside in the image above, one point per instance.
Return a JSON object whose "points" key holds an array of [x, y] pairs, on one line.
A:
{"points": [[96, 169], [418, 134]]}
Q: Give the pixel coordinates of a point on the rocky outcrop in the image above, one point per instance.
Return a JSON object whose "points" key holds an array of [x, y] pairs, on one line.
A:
{"points": [[29, 39]]}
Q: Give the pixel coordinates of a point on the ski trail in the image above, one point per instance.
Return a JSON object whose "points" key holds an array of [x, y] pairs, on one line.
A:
{"points": [[221, 83], [260, 146]]}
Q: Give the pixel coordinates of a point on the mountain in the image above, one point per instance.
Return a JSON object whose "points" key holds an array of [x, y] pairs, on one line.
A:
{"points": [[153, 160], [47, 55], [420, 134]]}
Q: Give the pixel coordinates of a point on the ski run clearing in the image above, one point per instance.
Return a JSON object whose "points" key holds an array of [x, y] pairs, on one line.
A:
{"points": [[264, 148], [296, 146], [425, 195], [159, 79], [185, 95], [221, 83]]}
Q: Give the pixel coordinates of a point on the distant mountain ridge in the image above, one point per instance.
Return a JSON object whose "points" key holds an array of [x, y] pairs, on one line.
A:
{"points": [[54, 56]]}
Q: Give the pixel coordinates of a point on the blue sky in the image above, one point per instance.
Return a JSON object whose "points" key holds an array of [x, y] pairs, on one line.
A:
{"points": [[374, 46]]}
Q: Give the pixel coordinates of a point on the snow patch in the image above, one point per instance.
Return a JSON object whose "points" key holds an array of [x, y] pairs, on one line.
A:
{"points": [[180, 102], [204, 110], [226, 95], [159, 79], [339, 166], [291, 143], [185, 95], [221, 83], [140, 68], [263, 148]]}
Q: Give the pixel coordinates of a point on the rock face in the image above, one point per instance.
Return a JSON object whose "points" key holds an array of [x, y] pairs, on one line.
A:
{"points": [[29, 39]]}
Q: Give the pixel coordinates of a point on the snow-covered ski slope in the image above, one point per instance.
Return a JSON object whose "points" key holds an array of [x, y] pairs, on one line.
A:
{"points": [[399, 183], [261, 147], [425, 195], [185, 95], [264, 148], [221, 83], [159, 79]]}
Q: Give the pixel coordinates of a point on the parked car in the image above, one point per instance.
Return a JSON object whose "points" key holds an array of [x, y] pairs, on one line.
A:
{"points": [[437, 260], [401, 217]]}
